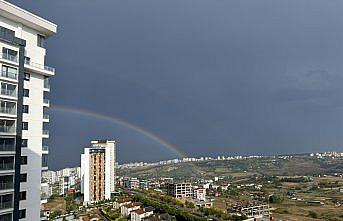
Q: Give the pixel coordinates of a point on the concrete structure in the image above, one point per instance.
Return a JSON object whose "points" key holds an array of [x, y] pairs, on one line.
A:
{"points": [[126, 210], [24, 81], [62, 181], [140, 214], [98, 170], [131, 183], [179, 190], [199, 193]]}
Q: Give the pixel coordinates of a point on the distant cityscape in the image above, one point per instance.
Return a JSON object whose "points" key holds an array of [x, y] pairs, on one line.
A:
{"points": [[199, 193], [330, 154]]}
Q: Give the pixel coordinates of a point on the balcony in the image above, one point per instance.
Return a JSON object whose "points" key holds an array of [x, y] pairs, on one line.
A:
{"points": [[46, 84], [6, 217], [46, 117], [45, 133], [9, 57], [45, 148], [7, 129], [6, 205], [6, 166], [46, 102], [9, 75], [7, 92], [39, 66], [8, 110], [6, 185], [7, 147]]}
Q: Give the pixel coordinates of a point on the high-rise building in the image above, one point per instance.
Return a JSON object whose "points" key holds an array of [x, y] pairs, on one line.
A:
{"points": [[98, 170], [24, 81]]}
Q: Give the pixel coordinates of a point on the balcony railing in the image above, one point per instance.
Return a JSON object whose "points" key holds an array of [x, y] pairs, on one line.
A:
{"points": [[39, 66], [11, 93], [46, 83], [7, 147], [46, 101], [45, 148], [6, 205], [6, 185], [6, 217], [7, 74], [46, 116], [7, 129], [6, 166], [46, 132], [9, 57], [8, 110]]}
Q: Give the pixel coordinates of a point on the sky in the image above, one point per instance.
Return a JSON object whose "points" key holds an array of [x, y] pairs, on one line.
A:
{"points": [[216, 77]]}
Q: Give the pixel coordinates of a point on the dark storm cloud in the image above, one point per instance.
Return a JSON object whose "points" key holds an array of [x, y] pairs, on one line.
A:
{"points": [[211, 77]]}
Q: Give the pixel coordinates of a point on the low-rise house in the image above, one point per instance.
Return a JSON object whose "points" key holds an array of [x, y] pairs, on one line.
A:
{"points": [[126, 210], [121, 202]]}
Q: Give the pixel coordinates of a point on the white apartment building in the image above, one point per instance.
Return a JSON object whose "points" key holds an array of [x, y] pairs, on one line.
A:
{"points": [[98, 170], [24, 83]]}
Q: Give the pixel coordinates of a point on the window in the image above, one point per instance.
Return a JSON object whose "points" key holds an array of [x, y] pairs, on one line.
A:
{"points": [[23, 177], [23, 160], [26, 92], [45, 160], [40, 41], [27, 60], [9, 54], [9, 72], [23, 195], [27, 76], [25, 126], [23, 142], [26, 109], [22, 213]]}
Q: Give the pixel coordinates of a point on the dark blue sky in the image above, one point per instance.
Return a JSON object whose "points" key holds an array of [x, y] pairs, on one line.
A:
{"points": [[210, 77]]}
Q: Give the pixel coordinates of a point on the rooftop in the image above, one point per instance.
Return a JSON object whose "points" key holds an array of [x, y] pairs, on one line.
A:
{"points": [[26, 18]]}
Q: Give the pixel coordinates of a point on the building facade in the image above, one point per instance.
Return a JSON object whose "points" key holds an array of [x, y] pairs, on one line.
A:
{"points": [[98, 170], [179, 190], [24, 84]]}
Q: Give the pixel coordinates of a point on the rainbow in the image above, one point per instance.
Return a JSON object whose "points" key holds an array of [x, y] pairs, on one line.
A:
{"points": [[120, 122]]}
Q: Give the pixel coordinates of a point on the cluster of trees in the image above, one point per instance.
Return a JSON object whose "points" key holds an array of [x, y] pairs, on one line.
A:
{"points": [[112, 214], [163, 207], [295, 179], [71, 204], [220, 214]]}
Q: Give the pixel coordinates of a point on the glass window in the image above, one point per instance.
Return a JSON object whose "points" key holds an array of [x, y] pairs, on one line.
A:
{"points": [[23, 177], [40, 41], [25, 109], [25, 126], [23, 195], [45, 160], [27, 60], [9, 72], [26, 92], [23, 160], [22, 213], [23, 142], [27, 76]]}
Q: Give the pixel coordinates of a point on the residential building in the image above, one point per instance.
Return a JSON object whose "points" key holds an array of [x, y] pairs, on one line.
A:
{"points": [[126, 210], [62, 181], [144, 185], [140, 214], [131, 183], [179, 190], [199, 193], [24, 82], [98, 170]]}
